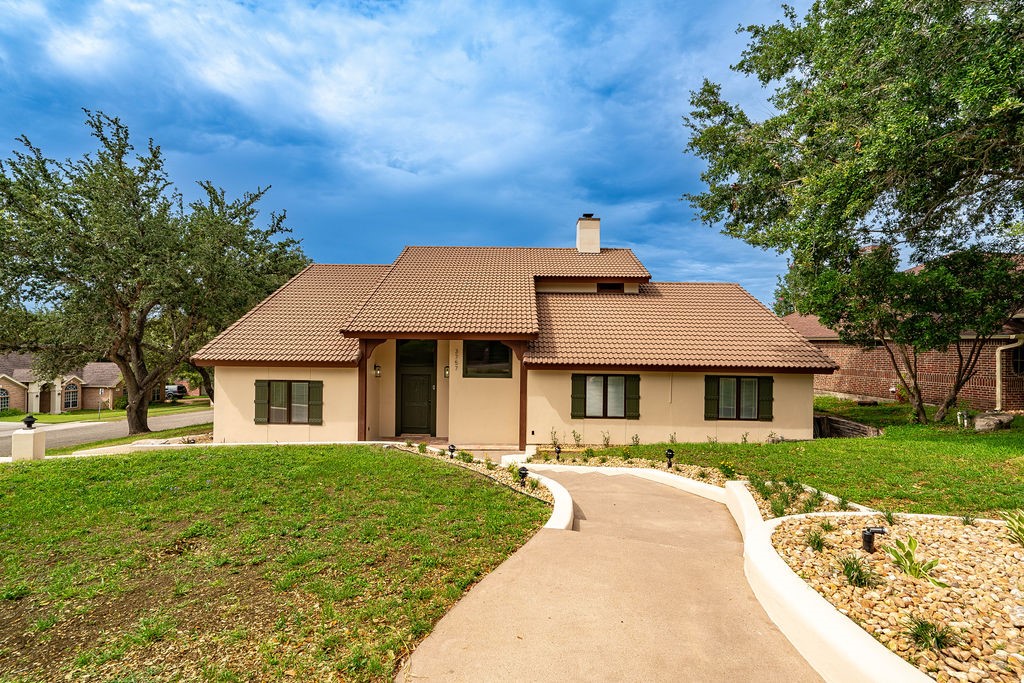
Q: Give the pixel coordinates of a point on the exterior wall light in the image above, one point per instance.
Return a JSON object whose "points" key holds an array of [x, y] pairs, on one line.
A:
{"points": [[522, 475], [669, 454], [376, 371], [451, 450], [867, 537], [447, 372]]}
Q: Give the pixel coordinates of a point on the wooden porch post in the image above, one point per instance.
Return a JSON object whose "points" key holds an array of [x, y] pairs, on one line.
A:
{"points": [[366, 347]]}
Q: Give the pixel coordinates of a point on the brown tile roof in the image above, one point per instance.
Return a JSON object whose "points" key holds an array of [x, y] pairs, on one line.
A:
{"points": [[478, 290], [302, 321], [100, 375], [669, 324], [809, 326]]}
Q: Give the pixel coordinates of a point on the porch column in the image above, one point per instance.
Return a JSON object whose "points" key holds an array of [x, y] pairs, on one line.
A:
{"points": [[57, 397], [32, 403], [519, 349], [366, 347]]}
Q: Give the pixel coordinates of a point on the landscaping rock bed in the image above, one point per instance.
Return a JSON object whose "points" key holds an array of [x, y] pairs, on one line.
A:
{"points": [[981, 611], [790, 499], [488, 469]]}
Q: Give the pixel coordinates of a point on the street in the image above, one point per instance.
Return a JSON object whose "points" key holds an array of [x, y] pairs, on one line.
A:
{"points": [[73, 433]]}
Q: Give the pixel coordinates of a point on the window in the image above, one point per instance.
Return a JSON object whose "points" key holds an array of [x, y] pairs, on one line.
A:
{"points": [[738, 398], [615, 396], [1018, 360], [285, 402], [611, 287], [486, 359], [70, 396], [5, 399]]}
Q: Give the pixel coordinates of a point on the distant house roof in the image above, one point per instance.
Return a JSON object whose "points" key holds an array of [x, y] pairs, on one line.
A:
{"points": [[809, 326], [669, 324], [302, 321], [478, 290], [19, 367], [101, 375]]}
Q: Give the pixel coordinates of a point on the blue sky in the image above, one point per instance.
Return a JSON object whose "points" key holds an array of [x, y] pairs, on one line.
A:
{"points": [[380, 124]]}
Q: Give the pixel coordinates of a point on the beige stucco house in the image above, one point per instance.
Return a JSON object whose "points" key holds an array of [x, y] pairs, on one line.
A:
{"points": [[507, 346]]}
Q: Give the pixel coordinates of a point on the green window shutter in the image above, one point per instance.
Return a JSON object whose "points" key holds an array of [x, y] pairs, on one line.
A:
{"points": [[262, 401], [632, 397], [710, 397], [579, 396], [765, 399], [316, 403]]}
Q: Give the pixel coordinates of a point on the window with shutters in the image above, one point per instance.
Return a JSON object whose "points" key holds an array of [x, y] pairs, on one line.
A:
{"points": [[288, 402], [604, 396], [738, 398]]}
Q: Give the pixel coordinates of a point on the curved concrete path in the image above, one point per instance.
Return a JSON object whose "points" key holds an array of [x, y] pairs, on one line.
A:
{"points": [[648, 587]]}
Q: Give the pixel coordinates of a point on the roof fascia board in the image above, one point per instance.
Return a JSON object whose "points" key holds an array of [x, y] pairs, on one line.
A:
{"points": [[210, 362], [718, 370]]}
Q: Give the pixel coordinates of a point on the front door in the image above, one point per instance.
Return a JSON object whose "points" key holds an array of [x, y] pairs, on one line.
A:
{"points": [[416, 389]]}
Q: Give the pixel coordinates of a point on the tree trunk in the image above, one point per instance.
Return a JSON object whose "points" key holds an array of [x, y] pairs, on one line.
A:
{"points": [[204, 373], [138, 414]]}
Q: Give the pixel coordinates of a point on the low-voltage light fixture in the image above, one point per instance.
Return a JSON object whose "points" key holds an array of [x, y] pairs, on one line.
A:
{"points": [[669, 454], [447, 372], [522, 475], [451, 450]]}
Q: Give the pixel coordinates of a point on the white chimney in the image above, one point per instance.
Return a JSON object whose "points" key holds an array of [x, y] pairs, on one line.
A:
{"points": [[588, 234]]}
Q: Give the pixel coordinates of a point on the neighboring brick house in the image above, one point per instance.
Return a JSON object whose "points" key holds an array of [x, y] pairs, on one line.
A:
{"points": [[869, 372], [506, 346], [86, 388]]}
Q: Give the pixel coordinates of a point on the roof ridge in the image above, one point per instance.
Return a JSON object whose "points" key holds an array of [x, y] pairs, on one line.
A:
{"points": [[370, 295]]}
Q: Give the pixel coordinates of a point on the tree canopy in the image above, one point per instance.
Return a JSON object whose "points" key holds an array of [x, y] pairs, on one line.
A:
{"points": [[103, 259], [896, 138]]}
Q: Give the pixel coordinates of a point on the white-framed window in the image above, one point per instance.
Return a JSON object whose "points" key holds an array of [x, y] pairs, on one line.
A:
{"points": [[70, 396], [5, 399]]}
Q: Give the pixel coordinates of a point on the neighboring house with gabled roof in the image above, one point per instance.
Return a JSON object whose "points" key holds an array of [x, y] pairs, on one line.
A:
{"points": [[507, 346], [868, 373], [86, 388]]}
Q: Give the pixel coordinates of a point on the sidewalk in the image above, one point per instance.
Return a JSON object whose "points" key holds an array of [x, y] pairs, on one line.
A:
{"points": [[650, 587]]}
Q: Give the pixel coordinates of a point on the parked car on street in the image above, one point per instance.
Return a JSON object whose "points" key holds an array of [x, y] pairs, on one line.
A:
{"points": [[173, 391]]}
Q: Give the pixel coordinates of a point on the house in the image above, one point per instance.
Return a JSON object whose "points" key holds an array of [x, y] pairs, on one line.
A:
{"points": [[86, 388], [510, 346], [868, 373]]}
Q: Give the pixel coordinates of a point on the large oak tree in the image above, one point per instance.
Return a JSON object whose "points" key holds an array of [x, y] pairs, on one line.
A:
{"points": [[893, 125], [103, 259]]}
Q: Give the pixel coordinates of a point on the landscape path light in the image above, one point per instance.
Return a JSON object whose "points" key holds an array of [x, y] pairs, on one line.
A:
{"points": [[867, 537], [522, 475], [558, 453], [669, 454], [451, 450]]}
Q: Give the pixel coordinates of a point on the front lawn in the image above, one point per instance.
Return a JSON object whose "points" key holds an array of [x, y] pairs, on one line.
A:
{"points": [[231, 564], [910, 468], [204, 428], [111, 415]]}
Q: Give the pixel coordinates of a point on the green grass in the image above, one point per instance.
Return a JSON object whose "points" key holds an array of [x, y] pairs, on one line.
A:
{"points": [[203, 428], [111, 415], [289, 563], [882, 416], [910, 468]]}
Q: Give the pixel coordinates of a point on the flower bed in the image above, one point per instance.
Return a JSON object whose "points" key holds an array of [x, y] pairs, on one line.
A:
{"points": [[488, 469], [971, 630], [708, 475]]}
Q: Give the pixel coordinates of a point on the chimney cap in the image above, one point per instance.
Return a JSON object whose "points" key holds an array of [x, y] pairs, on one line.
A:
{"points": [[588, 215]]}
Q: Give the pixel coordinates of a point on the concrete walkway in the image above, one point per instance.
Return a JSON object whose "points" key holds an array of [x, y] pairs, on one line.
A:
{"points": [[649, 587]]}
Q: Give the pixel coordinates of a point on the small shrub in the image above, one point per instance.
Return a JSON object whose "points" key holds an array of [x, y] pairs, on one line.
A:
{"points": [[489, 465], [745, 438], [927, 635], [1014, 525], [121, 403], [588, 454], [635, 440], [422, 447], [727, 469], [554, 439], [858, 573], [818, 497], [778, 506], [968, 520], [843, 504], [760, 485], [815, 540], [465, 457], [672, 438], [603, 459], [702, 473], [577, 438], [533, 484], [545, 457], [712, 440], [408, 443], [827, 525], [905, 557], [11, 412], [808, 506], [890, 517]]}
